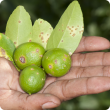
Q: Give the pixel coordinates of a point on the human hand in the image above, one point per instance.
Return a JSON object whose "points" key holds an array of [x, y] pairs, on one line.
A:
{"points": [[86, 76], [89, 73], [12, 97]]}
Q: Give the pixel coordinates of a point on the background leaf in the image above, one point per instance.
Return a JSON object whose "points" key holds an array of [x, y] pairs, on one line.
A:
{"points": [[68, 32], [41, 32], [19, 26]]}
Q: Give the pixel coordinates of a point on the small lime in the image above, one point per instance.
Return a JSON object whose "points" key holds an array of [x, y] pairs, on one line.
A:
{"points": [[27, 54], [56, 62], [32, 79]]}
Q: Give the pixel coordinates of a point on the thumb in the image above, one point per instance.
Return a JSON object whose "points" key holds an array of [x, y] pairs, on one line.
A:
{"points": [[23, 101]]}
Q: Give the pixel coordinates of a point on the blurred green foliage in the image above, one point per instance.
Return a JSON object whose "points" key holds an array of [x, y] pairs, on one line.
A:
{"points": [[97, 23]]}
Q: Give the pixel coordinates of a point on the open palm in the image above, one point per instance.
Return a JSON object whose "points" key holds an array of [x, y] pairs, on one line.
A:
{"points": [[89, 74]]}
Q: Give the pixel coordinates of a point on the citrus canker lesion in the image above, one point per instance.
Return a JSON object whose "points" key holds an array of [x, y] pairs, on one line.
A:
{"points": [[27, 54], [30, 57], [32, 79], [56, 62]]}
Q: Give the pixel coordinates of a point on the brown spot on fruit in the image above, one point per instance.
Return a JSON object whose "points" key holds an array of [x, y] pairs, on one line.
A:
{"points": [[40, 21], [41, 55], [37, 50], [2, 51], [37, 73], [22, 59], [55, 61], [0, 36], [50, 66], [62, 40], [32, 69], [65, 55]]}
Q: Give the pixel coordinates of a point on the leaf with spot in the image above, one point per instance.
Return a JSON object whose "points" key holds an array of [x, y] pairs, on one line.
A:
{"points": [[19, 26], [68, 32], [7, 47], [41, 32]]}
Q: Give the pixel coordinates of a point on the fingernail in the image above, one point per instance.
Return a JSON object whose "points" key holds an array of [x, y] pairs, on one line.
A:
{"points": [[48, 105]]}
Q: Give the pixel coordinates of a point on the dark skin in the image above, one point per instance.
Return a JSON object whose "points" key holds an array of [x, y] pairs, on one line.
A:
{"points": [[89, 74]]}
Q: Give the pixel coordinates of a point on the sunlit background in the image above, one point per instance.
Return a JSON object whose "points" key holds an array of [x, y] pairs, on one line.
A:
{"points": [[97, 23]]}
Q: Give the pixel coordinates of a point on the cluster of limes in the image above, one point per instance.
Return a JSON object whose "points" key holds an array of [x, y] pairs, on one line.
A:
{"points": [[34, 62]]}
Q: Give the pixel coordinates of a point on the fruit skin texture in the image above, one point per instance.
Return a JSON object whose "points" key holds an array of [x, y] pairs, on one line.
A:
{"points": [[32, 79], [56, 62], [27, 54]]}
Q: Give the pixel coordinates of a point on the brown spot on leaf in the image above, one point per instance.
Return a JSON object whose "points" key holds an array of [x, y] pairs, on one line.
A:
{"points": [[22, 59], [30, 40], [39, 35], [76, 28], [19, 21], [40, 21], [42, 38], [72, 26], [42, 33], [73, 35], [14, 42], [62, 40]]}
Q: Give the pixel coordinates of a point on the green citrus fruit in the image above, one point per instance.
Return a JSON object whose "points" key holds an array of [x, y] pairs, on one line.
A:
{"points": [[56, 62], [27, 54], [32, 79]]}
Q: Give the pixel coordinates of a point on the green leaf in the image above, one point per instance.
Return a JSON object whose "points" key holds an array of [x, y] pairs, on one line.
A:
{"points": [[7, 47], [41, 32], [68, 32], [19, 26]]}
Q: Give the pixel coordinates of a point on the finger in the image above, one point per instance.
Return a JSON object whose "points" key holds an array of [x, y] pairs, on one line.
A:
{"points": [[9, 76], [81, 72], [92, 43], [91, 59], [68, 89], [19, 101]]}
